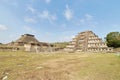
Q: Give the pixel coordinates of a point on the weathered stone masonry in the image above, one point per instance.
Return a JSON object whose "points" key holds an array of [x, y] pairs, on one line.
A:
{"points": [[87, 42]]}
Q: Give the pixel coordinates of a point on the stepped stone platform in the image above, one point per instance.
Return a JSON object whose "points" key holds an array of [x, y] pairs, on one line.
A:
{"points": [[87, 41]]}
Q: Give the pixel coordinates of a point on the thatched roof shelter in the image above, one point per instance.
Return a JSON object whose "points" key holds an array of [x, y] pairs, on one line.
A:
{"points": [[28, 39]]}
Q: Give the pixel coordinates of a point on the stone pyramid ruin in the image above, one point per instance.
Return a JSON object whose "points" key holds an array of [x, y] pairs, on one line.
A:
{"points": [[28, 42], [87, 41], [25, 39]]}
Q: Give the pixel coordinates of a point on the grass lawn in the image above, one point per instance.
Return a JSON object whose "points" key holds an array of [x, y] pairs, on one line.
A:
{"points": [[59, 66]]}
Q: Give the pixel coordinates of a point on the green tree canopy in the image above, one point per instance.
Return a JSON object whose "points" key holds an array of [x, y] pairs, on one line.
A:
{"points": [[113, 39]]}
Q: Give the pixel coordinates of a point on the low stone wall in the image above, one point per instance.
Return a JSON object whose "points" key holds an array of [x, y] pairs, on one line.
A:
{"points": [[8, 48]]}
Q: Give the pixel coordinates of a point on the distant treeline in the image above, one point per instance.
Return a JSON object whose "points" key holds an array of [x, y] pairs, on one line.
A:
{"points": [[60, 44]]}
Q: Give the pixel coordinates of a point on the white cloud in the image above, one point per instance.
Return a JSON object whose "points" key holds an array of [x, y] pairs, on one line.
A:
{"points": [[31, 9], [3, 27], [68, 13], [87, 20], [82, 21], [46, 15], [29, 20], [88, 17], [29, 29], [48, 1]]}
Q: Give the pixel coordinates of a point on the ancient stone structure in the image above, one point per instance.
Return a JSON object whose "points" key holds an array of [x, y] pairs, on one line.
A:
{"points": [[28, 42], [8, 48], [37, 47], [87, 42], [25, 39]]}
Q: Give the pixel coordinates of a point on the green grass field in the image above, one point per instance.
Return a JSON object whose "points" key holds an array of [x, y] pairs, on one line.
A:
{"points": [[59, 66]]}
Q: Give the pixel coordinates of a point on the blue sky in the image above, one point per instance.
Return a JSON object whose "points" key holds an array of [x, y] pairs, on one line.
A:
{"points": [[57, 20]]}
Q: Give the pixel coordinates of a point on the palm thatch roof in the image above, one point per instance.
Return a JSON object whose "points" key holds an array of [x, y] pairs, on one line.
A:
{"points": [[27, 38]]}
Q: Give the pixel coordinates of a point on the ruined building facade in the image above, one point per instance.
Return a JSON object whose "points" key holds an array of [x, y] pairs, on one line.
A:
{"points": [[28, 42], [87, 42]]}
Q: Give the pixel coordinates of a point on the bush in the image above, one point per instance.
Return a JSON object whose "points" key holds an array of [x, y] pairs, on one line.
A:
{"points": [[113, 39]]}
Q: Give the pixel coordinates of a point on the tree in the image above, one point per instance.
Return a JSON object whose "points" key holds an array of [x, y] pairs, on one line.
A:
{"points": [[113, 39]]}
